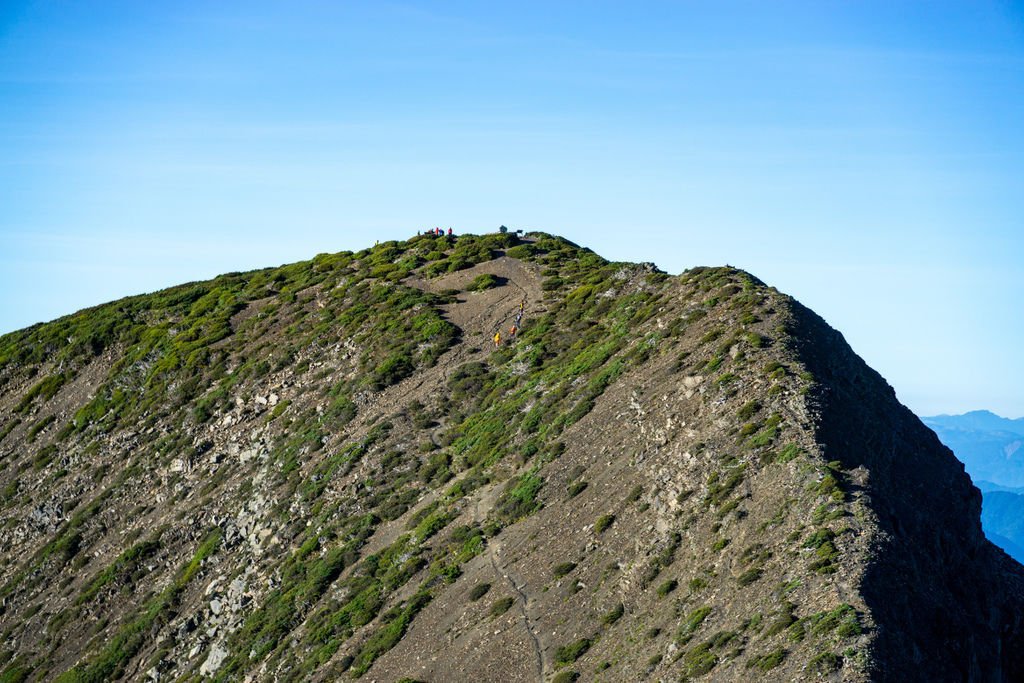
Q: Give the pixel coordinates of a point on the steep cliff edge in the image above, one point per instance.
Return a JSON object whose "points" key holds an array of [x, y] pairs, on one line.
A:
{"points": [[330, 469], [948, 601]]}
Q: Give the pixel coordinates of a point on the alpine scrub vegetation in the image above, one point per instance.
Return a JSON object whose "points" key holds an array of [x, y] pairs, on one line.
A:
{"points": [[352, 467]]}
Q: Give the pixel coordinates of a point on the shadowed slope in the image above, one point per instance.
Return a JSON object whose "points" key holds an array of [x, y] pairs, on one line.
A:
{"points": [[948, 603]]}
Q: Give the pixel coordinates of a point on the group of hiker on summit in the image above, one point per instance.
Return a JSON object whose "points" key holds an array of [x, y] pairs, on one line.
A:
{"points": [[515, 326], [438, 232]]}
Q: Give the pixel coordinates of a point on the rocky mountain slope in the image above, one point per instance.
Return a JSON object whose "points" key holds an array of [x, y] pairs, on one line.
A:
{"points": [[329, 470]]}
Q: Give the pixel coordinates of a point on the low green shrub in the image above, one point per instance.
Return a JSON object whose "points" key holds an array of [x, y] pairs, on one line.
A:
{"points": [[825, 663], [667, 587], [769, 661], [750, 576], [567, 654], [688, 627], [483, 282], [576, 488], [614, 615], [562, 569], [700, 660], [748, 410], [603, 522], [500, 606]]}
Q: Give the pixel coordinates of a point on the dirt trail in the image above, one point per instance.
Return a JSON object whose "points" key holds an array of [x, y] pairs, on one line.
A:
{"points": [[478, 315], [519, 587], [524, 608]]}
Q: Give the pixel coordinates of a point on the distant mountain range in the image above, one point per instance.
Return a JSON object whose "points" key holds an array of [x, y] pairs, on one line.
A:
{"points": [[992, 449], [1002, 519]]}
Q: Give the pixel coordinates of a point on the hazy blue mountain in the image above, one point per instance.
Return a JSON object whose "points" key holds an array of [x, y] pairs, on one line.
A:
{"points": [[1002, 518], [986, 486], [978, 420], [991, 447], [1012, 549]]}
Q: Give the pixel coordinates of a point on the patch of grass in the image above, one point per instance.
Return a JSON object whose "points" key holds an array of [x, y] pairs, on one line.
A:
{"points": [[750, 576], [562, 569], [565, 677], [483, 281], [567, 654], [698, 583], [769, 661], [9, 427], [699, 661], [478, 591], [748, 410], [16, 672], [45, 389], [842, 621], [635, 494], [726, 379], [500, 606], [603, 523], [768, 432], [34, 430], [783, 619], [825, 663], [576, 488], [44, 456], [614, 615], [126, 566], [667, 587], [788, 452], [825, 552], [519, 498], [719, 486], [689, 626]]}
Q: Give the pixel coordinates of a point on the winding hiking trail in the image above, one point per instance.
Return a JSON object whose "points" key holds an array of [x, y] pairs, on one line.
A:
{"points": [[523, 599], [477, 315], [524, 608]]}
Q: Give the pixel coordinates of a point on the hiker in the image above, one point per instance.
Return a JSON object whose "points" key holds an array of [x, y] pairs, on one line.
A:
{"points": [[512, 331], [497, 339], [450, 233]]}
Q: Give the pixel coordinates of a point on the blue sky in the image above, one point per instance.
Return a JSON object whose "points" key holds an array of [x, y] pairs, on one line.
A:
{"points": [[866, 157]]}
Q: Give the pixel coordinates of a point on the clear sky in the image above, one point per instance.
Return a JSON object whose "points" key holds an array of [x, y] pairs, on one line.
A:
{"points": [[866, 157]]}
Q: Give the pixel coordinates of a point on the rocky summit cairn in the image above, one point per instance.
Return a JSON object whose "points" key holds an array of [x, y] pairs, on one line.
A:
{"points": [[355, 467]]}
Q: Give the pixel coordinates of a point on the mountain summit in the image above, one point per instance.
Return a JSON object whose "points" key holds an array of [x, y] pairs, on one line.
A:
{"points": [[354, 467]]}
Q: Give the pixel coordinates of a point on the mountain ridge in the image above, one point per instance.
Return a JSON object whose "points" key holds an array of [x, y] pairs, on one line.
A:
{"points": [[992, 447], [330, 468]]}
